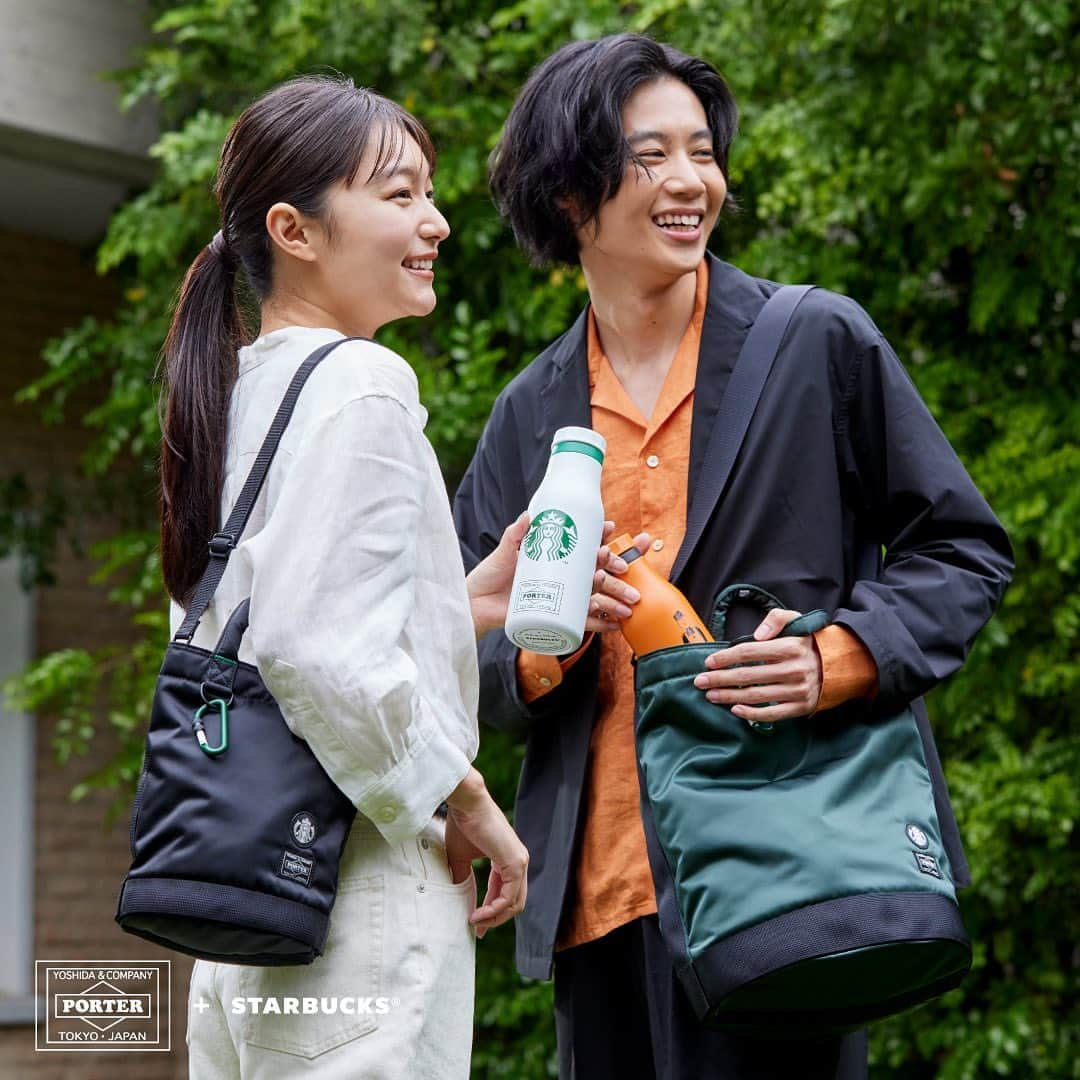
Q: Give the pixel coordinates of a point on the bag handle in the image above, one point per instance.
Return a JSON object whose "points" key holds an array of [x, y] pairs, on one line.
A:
{"points": [[222, 543], [228, 646], [742, 592]]}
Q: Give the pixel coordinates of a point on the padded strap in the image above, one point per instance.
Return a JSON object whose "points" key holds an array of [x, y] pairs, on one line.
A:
{"points": [[748, 378], [222, 543], [809, 623], [228, 645], [740, 593]]}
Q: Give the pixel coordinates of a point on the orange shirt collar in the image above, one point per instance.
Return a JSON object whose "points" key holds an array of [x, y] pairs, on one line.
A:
{"points": [[608, 393]]}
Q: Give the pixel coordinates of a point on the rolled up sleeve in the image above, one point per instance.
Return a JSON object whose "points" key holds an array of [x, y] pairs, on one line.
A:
{"points": [[333, 596], [947, 559]]}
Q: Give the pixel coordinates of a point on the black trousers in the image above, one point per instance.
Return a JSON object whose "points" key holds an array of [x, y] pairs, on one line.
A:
{"points": [[621, 1014]]}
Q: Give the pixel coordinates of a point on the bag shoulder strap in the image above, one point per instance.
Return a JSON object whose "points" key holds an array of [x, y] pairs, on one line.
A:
{"points": [[222, 543], [748, 378]]}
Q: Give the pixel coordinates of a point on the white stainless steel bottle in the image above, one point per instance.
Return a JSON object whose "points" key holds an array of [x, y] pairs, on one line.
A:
{"points": [[549, 602]]}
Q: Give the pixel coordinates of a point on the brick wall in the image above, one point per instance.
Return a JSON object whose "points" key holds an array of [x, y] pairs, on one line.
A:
{"points": [[46, 286]]}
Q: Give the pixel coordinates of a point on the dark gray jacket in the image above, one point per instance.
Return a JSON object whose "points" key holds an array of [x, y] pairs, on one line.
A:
{"points": [[842, 460]]}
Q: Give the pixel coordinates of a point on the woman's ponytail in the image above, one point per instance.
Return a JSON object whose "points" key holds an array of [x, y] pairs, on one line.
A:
{"points": [[200, 369]]}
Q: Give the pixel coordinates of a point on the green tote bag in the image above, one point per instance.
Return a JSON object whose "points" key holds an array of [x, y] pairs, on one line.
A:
{"points": [[802, 884]]}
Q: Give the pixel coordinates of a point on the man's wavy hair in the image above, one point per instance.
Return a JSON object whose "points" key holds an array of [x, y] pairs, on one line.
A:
{"points": [[563, 142]]}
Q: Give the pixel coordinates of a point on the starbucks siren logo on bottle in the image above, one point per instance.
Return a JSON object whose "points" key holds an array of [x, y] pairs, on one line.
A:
{"points": [[552, 537]]}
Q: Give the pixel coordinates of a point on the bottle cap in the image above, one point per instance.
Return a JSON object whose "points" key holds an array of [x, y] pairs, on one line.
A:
{"points": [[584, 435], [623, 546]]}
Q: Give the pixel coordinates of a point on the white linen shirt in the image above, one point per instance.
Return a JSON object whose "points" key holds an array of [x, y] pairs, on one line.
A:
{"points": [[360, 623]]}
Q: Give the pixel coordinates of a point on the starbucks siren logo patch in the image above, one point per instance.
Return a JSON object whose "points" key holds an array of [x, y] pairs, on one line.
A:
{"points": [[917, 837], [552, 537], [303, 828]]}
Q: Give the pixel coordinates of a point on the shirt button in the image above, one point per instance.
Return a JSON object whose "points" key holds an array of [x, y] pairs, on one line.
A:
{"points": [[424, 844], [652, 461], [544, 680], [420, 887], [387, 813], [658, 545]]}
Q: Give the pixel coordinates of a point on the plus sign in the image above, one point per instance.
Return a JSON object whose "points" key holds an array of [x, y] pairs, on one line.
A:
{"points": [[202, 1005]]}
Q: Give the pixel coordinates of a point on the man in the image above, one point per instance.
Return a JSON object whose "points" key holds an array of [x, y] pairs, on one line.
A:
{"points": [[614, 157]]}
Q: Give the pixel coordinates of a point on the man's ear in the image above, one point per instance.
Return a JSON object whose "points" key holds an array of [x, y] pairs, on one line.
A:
{"points": [[570, 208], [586, 233], [292, 232]]}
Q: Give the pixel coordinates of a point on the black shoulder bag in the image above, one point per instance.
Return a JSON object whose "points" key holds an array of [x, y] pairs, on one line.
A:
{"points": [[236, 831]]}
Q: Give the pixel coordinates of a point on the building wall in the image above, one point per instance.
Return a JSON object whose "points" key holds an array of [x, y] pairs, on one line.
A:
{"points": [[52, 54], [47, 285], [68, 155]]}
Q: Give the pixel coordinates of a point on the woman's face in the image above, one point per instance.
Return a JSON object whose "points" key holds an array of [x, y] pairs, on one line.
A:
{"points": [[378, 264], [656, 227]]}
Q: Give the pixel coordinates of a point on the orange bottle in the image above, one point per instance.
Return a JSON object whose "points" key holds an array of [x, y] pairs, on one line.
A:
{"points": [[663, 616]]}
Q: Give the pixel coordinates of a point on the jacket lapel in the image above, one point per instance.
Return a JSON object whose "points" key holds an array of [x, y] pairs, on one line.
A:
{"points": [[564, 398]]}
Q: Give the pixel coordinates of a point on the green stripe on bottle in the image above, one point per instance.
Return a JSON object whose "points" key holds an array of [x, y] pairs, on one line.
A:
{"points": [[573, 446]]}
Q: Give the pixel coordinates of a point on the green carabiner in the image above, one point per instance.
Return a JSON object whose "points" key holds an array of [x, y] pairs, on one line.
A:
{"points": [[200, 728]]}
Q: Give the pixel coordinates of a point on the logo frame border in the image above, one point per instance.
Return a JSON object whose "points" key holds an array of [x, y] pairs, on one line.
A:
{"points": [[41, 1001]]}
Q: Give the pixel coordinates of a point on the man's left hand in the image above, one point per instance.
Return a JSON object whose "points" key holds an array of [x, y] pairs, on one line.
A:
{"points": [[787, 674]]}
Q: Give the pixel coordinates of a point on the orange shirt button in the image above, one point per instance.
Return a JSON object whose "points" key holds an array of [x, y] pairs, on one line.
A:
{"points": [[652, 461], [658, 545], [544, 680]]}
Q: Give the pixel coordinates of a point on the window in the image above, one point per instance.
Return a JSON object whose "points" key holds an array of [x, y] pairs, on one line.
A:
{"points": [[16, 795]]}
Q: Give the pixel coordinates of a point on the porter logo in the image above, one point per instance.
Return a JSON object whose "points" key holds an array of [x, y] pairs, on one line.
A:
{"points": [[552, 537], [927, 864], [539, 596], [303, 828], [296, 866], [115, 1005]]}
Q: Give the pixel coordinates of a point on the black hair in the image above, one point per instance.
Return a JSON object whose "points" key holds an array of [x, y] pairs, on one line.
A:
{"points": [[563, 140], [291, 145]]}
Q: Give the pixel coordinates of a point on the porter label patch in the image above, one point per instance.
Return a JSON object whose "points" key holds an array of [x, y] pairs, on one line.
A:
{"points": [[296, 866], [927, 864], [544, 596]]}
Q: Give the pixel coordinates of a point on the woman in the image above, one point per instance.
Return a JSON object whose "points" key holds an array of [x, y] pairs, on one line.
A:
{"points": [[363, 625]]}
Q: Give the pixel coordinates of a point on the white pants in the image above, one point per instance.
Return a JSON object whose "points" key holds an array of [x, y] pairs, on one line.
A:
{"points": [[399, 961]]}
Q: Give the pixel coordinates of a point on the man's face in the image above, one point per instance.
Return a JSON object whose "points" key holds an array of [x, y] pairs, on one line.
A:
{"points": [[656, 227]]}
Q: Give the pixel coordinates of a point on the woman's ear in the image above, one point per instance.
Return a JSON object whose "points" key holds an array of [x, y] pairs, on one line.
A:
{"points": [[292, 233]]}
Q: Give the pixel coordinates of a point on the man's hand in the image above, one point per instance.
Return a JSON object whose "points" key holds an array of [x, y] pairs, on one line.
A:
{"points": [[787, 675], [611, 598]]}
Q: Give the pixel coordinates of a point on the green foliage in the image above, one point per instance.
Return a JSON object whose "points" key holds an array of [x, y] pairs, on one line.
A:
{"points": [[922, 157], [30, 527]]}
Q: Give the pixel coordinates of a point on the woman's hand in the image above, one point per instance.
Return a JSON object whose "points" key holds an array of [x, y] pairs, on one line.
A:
{"points": [[490, 581], [787, 675], [476, 828]]}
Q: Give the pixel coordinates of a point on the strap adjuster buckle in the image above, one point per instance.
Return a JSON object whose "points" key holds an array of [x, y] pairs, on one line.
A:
{"points": [[221, 544]]}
